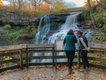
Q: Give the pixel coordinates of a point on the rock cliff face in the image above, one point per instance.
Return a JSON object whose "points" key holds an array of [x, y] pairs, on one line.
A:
{"points": [[16, 19], [3, 37]]}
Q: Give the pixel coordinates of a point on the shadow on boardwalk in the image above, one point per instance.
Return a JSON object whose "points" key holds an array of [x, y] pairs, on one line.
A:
{"points": [[49, 73]]}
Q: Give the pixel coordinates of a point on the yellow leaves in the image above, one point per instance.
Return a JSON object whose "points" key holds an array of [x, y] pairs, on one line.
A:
{"points": [[1, 3], [1, 79], [42, 7], [12, 6], [59, 5], [60, 68]]}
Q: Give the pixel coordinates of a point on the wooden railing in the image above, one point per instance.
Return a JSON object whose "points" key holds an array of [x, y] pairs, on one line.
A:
{"points": [[21, 56]]}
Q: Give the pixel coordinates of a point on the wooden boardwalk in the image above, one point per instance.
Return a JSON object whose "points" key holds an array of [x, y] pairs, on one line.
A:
{"points": [[49, 73]]}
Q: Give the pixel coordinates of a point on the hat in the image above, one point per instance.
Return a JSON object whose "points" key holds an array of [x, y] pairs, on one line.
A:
{"points": [[79, 32]]}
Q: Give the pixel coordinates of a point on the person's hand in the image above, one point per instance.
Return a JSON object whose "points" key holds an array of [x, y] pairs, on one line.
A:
{"points": [[88, 49], [77, 50]]}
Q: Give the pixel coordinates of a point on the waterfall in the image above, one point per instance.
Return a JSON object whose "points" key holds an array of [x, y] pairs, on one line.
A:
{"points": [[44, 35], [43, 30], [71, 23]]}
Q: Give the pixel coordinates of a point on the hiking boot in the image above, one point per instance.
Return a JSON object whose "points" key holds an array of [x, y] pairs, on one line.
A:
{"points": [[85, 70], [69, 71]]}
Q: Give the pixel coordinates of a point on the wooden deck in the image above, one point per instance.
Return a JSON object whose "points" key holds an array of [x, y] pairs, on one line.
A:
{"points": [[49, 73], [20, 54]]}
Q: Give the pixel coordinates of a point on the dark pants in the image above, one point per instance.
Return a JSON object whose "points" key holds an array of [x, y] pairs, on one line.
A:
{"points": [[84, 57], [70, 56]]}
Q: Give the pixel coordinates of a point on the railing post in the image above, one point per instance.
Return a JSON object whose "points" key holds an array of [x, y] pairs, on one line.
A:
{"points": [[21, 60], [78, 59], [53, 55], [27, 58]]}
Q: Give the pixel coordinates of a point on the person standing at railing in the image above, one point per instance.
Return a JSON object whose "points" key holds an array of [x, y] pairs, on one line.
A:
{"points": [[83, 50], [69, 48]]}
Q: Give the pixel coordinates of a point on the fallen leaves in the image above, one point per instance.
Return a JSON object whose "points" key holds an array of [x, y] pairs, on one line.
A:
{"points": [[27, 78], [49, 73], [1, 79]]}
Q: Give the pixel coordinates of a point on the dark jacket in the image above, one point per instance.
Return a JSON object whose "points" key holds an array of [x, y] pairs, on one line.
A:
{"points": [[86, 42], [69, 42]]}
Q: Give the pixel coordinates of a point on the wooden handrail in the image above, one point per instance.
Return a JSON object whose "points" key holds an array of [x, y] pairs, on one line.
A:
{"points": [[24, 46], [24, 50], [12, 47]]}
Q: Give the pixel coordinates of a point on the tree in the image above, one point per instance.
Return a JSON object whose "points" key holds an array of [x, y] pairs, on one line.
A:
{"points": [[20, 3], [16, 3], [42, 9], [12, 5], [48, 1], [50, 4], [103, 3], [59, 5], [36, 3], [90, 13], [1, 3], [90, 8]]}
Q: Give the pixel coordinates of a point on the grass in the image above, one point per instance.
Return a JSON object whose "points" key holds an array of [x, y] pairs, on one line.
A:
{"points": [[15, 33]]}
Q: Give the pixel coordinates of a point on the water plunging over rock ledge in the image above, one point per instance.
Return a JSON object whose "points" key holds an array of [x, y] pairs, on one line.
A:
{"points": [[51, 28]]}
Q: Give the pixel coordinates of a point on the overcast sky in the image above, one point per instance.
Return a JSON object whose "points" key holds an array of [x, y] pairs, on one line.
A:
{"points": [[69, 3], [74, 3]]}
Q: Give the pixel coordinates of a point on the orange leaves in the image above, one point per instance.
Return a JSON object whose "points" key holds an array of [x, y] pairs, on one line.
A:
{"points": [[59, 5], [61, 68], [42, 7], [48, 1], [104, 78], [1, 3], [74, 67], [27, 78]]}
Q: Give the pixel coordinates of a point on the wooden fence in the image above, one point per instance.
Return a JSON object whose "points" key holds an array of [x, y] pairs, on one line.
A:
{"points": [[20, 56]]}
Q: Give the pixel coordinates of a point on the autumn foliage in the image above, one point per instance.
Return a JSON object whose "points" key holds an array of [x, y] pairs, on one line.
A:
{"points": [[59, 5], [1, 3], [41, 8]]}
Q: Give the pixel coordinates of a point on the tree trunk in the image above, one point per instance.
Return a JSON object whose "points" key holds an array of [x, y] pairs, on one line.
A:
{"points": [[90, 14]]}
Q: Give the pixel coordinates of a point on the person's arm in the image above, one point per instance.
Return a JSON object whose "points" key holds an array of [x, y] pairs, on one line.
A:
{"points": [[74, 39], [64, 41], [77, 45], [83, 43]]}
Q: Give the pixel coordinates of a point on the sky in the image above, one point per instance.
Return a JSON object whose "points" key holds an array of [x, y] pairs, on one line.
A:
{"points": [[74, 3], [69, 3]]}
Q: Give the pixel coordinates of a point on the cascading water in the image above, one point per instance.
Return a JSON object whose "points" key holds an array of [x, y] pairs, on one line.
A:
{"points": [[43, 30], [43, 38], [41, 35], [71, 23]]}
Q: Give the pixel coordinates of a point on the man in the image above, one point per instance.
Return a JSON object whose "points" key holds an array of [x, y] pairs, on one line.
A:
{"points": [[83, 50]]}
